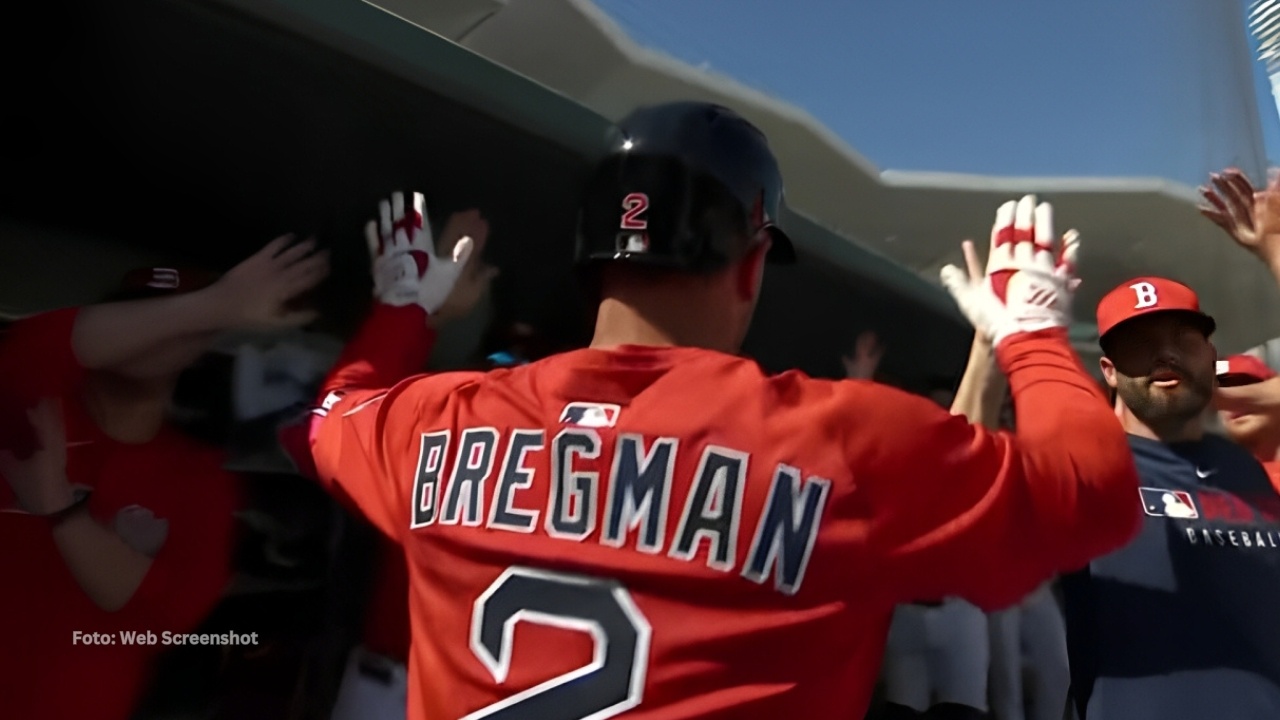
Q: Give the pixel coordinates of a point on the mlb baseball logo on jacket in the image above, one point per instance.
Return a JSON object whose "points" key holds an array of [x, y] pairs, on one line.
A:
{"points": [[584, 414], [1159, 502]]}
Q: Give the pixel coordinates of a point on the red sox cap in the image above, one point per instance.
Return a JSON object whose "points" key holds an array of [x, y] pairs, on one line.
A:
{"points": [[1146, 295], [148, 282], [1243, 370]]}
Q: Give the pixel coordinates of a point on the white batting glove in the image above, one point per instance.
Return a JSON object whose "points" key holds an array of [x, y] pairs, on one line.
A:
{"points": [[406, 269], [1030, 277]]}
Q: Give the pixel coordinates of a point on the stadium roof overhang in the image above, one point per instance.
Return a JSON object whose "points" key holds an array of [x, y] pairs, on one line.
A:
{"points": [[202, 129], [1130, 226]]}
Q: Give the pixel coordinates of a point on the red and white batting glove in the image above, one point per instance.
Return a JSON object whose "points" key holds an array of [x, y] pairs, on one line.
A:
{"points": [[406, 269], [1030, 278]]}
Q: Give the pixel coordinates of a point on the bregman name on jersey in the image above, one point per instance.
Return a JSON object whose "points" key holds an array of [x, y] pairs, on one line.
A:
{"points": [[634, 503]]}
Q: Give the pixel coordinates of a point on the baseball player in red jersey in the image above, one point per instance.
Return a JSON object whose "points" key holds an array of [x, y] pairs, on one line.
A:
{"points": [[1248, 396], [652, 526], [113, 522], [374, 682], [1259, 432]]}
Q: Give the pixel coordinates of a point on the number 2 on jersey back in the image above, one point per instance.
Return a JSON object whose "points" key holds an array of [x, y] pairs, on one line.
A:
{"points": [[612, 683]]}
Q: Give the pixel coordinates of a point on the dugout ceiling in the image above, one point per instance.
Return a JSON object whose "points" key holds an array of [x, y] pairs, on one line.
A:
{"points": [[196, 131], [1130, 225]]}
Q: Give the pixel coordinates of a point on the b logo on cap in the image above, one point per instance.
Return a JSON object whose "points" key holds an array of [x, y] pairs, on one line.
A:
{"points": [[1146, 293], [164, 279]]}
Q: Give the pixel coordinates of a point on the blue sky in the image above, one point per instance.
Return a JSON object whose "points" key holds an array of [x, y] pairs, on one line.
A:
{"points": [[1001, 87]]}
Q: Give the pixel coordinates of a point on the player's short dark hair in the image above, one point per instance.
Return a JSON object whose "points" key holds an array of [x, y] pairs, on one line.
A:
{"points": [[1107, 344], [601, 276]]}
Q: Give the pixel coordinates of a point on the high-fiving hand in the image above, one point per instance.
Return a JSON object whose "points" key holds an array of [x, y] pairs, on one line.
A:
{"points": [[406, 269], [477, 275], [261, 291], [1250, 217], [1030, 276]]}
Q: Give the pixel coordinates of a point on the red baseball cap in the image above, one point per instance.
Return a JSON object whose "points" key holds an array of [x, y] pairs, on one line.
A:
{"points": [[1146, 295], [149, 282], [1243, 370]]}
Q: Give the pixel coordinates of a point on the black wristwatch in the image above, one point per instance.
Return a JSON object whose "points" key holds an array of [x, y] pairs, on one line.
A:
{"points": [[58, 517]]}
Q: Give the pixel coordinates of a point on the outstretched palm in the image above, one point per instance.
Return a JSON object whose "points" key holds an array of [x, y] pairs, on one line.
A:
{"points": [[1249, 216], [867, 353], [262, 289]]}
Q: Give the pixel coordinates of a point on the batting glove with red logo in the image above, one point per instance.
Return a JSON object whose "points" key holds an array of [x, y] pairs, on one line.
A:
{"points": [[406, 269], [1030, 277]]}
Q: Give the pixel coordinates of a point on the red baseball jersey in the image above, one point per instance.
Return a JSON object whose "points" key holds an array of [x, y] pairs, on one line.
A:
{"points": [[169, 498], [668, 532]]}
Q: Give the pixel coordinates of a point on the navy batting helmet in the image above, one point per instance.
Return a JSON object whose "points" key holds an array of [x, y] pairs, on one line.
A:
{"points": [[687, 185]]}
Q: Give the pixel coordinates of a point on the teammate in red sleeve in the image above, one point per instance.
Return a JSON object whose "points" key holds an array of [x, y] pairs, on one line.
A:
{"points": [[374, 683], [112, 521], [1248, 398], [652, 525], [1258, 432]]}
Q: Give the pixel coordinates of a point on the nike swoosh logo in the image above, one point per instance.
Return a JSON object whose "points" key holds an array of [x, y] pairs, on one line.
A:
{"points": [[1205, 473]]}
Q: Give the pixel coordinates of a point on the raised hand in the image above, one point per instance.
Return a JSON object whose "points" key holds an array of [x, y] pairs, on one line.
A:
{"points": [[477, 275], [406, 268], [1248, 216], [261, 290], [1030, 277], [868, 351], [963, 283]]}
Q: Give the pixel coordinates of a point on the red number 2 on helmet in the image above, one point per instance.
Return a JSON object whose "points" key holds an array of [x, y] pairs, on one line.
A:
{"points": [[634, 205]]}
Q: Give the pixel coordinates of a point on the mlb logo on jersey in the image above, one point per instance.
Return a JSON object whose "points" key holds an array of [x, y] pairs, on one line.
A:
{"points": [[593, 415], [327, 404], [1158, 502], [632, 242]]}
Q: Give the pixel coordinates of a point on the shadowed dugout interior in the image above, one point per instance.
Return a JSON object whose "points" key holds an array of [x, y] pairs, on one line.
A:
{"points": [[191, 132]]}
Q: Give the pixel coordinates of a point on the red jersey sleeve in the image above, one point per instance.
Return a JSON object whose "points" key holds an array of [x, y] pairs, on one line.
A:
{"points": [[36, 357], [366, 417], [365, 446], [392, 343], [36, 361], [957, 510], [193, 569]]}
